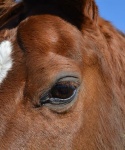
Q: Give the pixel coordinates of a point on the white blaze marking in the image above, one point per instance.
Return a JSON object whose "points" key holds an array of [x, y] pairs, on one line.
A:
{"points": [[5, 59]]}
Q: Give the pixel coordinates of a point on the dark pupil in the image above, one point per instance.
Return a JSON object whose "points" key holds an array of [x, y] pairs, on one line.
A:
{"points": [[62, 91]]}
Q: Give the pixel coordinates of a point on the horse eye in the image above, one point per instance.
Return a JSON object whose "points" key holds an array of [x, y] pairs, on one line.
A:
{"points": [[61, 93]]}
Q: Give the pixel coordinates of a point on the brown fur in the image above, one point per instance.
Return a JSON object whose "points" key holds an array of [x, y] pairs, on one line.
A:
{"points": [[49, 42]]}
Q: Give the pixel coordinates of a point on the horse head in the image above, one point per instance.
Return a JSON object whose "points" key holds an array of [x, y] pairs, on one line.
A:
{"points": [[61, 77]]}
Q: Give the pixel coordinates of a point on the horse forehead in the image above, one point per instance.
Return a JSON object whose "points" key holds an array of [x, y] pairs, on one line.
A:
{"points": [[50, 35], [49, 28]]}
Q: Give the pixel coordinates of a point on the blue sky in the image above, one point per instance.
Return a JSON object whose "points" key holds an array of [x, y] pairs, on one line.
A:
{"points": [[114, 11]]}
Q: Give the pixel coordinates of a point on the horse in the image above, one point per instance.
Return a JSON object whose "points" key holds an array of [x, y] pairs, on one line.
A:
{"points": [[62, 77]]}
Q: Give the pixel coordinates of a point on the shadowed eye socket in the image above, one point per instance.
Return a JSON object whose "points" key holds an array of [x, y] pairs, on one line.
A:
{"points": [[63, 92]]}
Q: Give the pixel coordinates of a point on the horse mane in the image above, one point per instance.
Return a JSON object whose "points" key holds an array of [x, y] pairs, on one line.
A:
{"points": [[5, 5], [114, 61], [9, 10]]}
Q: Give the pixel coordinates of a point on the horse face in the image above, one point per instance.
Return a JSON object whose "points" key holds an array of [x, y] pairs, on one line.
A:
{"points": [[58, 93], [51, 57], [61, 71]]}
